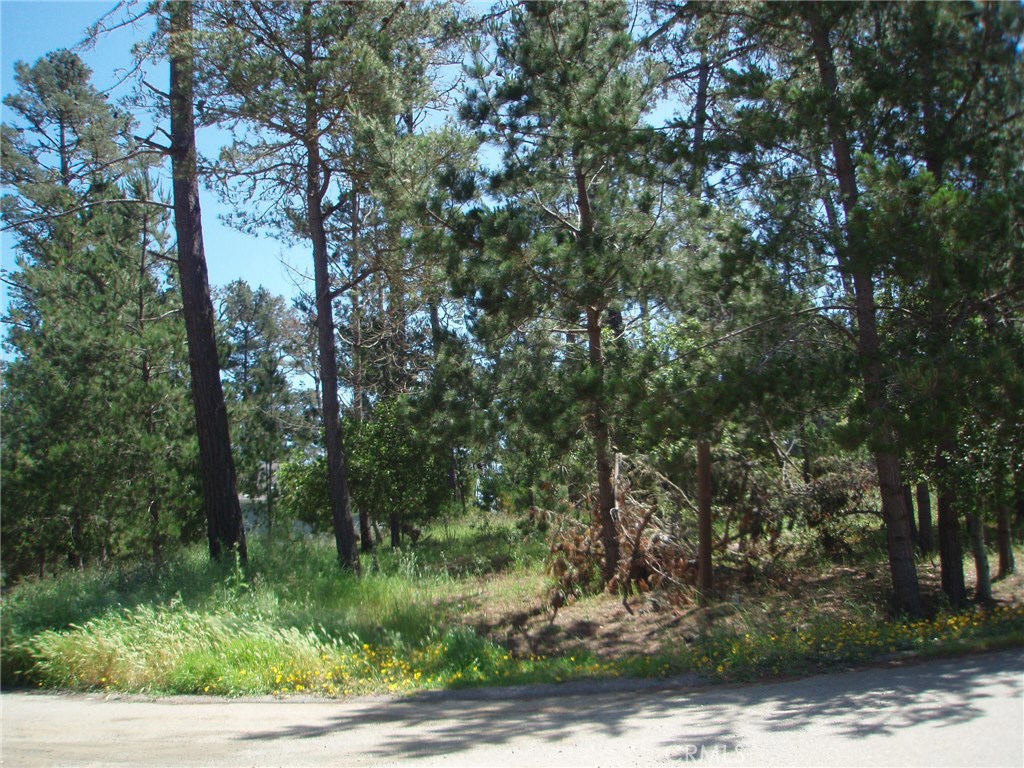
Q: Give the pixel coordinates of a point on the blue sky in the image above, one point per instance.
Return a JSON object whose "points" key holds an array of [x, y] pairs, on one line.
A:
{"points": [[31, 28]]}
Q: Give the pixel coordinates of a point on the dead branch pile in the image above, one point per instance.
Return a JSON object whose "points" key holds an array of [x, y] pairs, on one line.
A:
{"points": [[653, 517]]}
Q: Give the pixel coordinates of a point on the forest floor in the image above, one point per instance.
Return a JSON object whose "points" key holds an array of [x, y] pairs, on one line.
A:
{"points": [[470, 605], [608, 627]]}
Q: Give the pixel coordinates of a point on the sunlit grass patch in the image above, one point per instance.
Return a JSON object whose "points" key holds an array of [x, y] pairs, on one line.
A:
{"points": [[173, 649], [287, 624], [290, 624], [828, 642]]}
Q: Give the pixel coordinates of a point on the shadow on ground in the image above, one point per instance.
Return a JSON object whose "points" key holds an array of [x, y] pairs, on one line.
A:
{"points": [[881, 700]]}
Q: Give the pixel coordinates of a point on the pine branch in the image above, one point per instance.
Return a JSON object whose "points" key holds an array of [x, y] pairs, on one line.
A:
{"points": [[79, 209], [355, 281]]}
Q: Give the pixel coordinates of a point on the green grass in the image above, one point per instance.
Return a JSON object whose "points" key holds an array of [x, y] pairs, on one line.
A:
{"points": [[290, 623], [829, 642]]}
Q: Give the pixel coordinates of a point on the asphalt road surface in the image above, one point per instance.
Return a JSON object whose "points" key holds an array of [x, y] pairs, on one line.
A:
{"points": [[965, 711]]}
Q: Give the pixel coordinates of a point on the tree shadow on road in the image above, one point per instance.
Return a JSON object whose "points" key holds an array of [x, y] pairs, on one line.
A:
{"points": [[686, 720]]}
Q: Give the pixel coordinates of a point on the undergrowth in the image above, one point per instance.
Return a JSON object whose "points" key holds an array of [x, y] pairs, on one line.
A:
{"points": [[290, 623]]}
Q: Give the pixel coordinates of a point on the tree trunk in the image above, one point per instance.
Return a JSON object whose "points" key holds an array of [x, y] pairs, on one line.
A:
{"points": [[951, 556], [358, 394], [925, 537], [908, 503], [436, 337], [906, 590], [705, 575], [156, 539], [341, 501], [983, 573], [1019, 499], [1017, 462], [907, 596], [602, 452], [1006, 561], [225, 529], [396, 530], [270, 497], [705, 581], [597, 418]]}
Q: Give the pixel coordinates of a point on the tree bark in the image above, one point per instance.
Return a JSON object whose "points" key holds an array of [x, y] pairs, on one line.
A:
{"points": [[908, 503], [925, 537], [705, 580], [597, 417], [341, 500], [396, 530], [906, 590], [1018, 495], [359, 400], [982, 570], [951, 556], [1005, 543], [270, 497], [316, 186], [602, 452], [225, 529], [1017, 492]]}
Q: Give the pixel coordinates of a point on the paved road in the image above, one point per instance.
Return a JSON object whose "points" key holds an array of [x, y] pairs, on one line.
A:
{"points": [[967, 711]]}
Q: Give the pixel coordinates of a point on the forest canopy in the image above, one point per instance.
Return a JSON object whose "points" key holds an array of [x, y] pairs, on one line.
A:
{"points": [[697, 275]]}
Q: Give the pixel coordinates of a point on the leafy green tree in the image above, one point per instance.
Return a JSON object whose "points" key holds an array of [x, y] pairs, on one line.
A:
{"points": [[947, 186], [305, 495], [399, 472], [430, 182], [63, 139], [851, 253], [838, 120], [793, 75]]}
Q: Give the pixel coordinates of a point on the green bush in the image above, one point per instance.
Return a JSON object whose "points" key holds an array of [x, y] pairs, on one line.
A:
{"points": [[305, 495], [395, 467]]}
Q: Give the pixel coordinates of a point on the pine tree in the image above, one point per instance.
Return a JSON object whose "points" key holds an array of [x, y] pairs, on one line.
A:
{"points": [[573, 229], [839, 123], [225, 529], [947, 175], [260, 334], [94, 386], [311, 82]]}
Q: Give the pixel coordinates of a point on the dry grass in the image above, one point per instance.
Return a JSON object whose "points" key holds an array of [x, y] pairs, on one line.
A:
{"points": [[793, 597]]}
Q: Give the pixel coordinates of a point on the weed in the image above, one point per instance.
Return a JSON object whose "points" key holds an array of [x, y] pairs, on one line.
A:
{"points": [[289, 623]]}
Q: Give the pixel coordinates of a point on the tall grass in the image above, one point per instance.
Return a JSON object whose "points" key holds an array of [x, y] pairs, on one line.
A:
{"points": [[290, 618], [292, 623]]}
